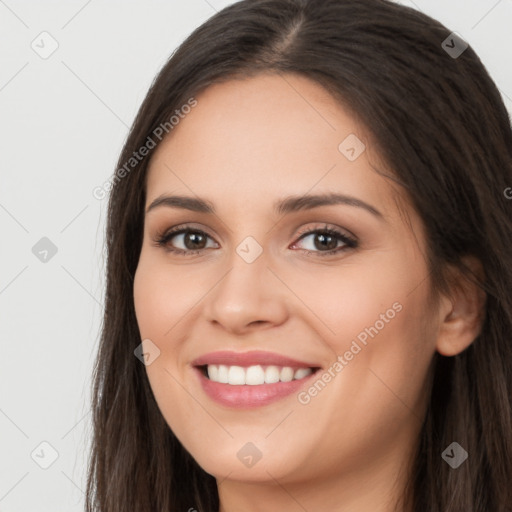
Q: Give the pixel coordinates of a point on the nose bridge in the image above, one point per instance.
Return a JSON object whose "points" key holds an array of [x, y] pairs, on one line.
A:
{"points": [[248, 292], [247, 275]]}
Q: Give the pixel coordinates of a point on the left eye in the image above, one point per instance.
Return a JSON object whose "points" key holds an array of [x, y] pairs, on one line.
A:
{"points": [[325, 241]]}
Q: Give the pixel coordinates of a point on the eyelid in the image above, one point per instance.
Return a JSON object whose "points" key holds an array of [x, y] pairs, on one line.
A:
{"points": [[327, 227]]}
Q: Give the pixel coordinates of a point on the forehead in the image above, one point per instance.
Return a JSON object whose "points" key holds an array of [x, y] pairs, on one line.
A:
{"points": [[265, 137]]}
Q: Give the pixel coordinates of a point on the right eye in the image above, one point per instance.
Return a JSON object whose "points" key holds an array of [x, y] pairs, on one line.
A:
{"points": [[192, 240]]}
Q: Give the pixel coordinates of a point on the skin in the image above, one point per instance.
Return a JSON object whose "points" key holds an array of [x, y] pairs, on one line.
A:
{"points": [[247, 144]]}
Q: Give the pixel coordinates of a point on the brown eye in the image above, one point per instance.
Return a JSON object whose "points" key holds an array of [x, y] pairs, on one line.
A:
{"points": [[192, 241], [326, 241], [323, 241]]}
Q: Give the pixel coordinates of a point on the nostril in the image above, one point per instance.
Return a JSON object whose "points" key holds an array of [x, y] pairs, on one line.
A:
{"points": [[258, 322]]}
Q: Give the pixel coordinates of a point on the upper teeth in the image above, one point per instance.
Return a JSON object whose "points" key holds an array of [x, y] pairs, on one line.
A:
{"points": [[254, 375]]}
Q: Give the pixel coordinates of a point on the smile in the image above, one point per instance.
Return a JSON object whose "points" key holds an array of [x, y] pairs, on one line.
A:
{"points": [[245, 380]]}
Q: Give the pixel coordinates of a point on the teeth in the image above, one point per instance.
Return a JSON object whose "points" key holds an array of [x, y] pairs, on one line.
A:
{"points": [[301, 373], [254, 375], [223, 374], [236, 375], [272, 374], [287, 374], [213, 372]]}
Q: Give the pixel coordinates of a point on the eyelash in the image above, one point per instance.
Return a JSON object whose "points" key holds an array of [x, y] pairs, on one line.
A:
{"points": [[162, 240]]}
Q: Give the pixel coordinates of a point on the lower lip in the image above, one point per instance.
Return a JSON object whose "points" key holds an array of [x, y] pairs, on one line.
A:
{"points": [[246, 396]]}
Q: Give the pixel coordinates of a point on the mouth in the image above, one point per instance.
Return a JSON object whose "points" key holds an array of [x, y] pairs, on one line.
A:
{"points": [[251, 379]]}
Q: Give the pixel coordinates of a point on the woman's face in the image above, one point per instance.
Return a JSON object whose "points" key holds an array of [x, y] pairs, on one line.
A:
{"points": [[349, 306]]}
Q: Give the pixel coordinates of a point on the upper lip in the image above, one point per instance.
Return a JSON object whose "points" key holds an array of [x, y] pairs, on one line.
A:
{"points": [[252, 358]]}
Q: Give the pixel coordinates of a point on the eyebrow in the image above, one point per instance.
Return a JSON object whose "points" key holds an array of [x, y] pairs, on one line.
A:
{"points": [[282, 207]]}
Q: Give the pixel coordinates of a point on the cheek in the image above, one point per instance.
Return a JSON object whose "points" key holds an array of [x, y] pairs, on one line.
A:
{"points": [[160, 302], [374, 315], [387, 341], [372, 293], [161, 298]]}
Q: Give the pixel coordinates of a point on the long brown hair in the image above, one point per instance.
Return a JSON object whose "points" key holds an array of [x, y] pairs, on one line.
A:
{"points": [[438, 121]]}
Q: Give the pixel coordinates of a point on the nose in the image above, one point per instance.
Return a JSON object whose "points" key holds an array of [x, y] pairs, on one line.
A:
{"points": [[249, 296]]}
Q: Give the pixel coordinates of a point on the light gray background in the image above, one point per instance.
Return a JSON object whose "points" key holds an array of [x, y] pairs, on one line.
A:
{"points": [[63, 121]]}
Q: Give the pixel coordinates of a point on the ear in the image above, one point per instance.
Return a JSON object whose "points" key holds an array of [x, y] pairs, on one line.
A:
{"points": [[463, 312]]}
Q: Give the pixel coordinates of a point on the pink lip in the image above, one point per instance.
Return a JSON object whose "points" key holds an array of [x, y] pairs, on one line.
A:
{"points": [[251, 358], [246, 396]]}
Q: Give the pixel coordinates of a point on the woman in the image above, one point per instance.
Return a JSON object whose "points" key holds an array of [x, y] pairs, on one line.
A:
{"points": [[309, 253]]}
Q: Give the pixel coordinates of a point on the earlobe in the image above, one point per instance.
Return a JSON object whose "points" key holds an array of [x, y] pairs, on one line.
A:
{"points": [[462, 314]]}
